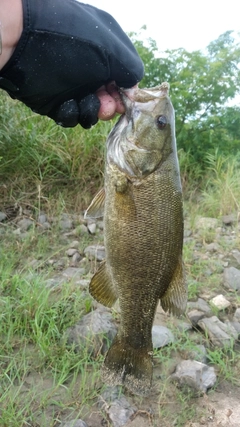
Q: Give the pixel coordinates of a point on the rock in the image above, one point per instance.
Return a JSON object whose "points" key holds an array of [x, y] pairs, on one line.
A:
{"points": [[195, 315], [25, 224], [3, 216], [93, 332], [70, 252], [76, 258], [82, 229], [75, 244], [236, 326], [220, 302], [117, 407], [195, 375], [74, 273], [231, 277], [92, 228], [213, 247], [74, 423], [42, 218], [200, 305], [237, 314], [236, 255], [65, 224], [221, 334], [199, 353], [206, 223], [95, 252], [161, 336], [229, 219]]}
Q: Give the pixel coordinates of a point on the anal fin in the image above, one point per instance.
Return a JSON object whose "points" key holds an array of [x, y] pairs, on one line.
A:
{"points": [[101, 287]]}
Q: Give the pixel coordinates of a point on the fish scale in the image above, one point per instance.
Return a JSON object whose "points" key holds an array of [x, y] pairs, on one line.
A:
{"points": [[143, 232]]}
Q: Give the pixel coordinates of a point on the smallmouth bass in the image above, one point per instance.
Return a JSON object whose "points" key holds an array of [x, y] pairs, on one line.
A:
{"points": [[143, 229]]}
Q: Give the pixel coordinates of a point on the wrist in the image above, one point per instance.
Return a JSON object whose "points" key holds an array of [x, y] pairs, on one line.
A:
{"points": [[11, 28]]}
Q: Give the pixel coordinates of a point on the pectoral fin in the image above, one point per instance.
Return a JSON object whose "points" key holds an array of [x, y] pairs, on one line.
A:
{"points": [[175, 298], [96, 207], [102, 288]]}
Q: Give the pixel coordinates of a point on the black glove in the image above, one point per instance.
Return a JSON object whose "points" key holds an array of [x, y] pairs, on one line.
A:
{"points": [[66, 52]]}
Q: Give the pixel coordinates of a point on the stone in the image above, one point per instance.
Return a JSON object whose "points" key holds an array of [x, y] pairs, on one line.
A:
{"points": [[74, 273], [195, 315], [70, 252], [196, 375], [75, 244], [76, 257], [221, 334], [92, 227], [93, 332], [3, 216], [65, 224], [206, 223], [42, 218], [200, 305], [198, 353], [25, 224], [231, 277], [237, 314], [229, 219], [213, 247], [161, 336], [220, 302], [95, 252], [74, 423], [236, 255], [116, 406], [236, 326]]}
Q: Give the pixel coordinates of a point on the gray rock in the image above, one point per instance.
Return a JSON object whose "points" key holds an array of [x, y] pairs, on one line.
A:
{"points": [[93, 332], [200, 305], [73, 273], [236, 326], [237, 314], [75, 244], [206, 223], [65, 224], [3, 216], [82, 229], [109, 395], [92, 227], [119, 410], [221, 334], [70, 252], [195, 315], [195, 375], [236, 255], [95, 252], [42, 218], [199, 353], [220, 302], [76, 258], [229, 219], [74, 423], [231, 277], [25, 224], [213, 247], [161, 336]]}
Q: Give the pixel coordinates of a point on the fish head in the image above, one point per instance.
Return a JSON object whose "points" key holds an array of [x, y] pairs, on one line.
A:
{"points": [[145, 135]]}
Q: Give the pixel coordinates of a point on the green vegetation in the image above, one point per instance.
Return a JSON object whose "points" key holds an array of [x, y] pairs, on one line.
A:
{"points": [[55, 170]]}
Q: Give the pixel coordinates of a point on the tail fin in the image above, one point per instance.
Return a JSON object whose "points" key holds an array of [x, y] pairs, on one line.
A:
{"points": [[129, 366]]}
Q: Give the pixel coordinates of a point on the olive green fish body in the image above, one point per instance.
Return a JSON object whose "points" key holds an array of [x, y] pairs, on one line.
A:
{"points": [[143, 225]]}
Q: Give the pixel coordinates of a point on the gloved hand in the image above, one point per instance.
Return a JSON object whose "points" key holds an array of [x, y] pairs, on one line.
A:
{"points": [[67, 51]]}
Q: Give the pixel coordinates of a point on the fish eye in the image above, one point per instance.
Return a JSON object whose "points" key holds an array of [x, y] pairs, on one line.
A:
{"points": [[161, 122]]}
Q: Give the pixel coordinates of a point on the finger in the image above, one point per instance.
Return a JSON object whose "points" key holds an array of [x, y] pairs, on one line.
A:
{"points": [[108, 106], [113, 91]]}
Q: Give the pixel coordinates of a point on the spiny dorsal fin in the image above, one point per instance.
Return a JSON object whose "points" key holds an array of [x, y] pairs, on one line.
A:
{"points": [[102, 288], [96, 207]]}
